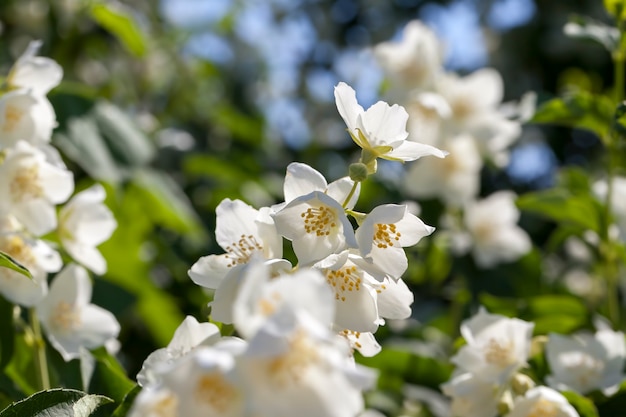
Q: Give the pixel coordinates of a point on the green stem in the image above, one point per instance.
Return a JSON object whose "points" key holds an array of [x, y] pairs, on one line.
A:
{"points": [[619, 59], [41, 362], [350, 194]]}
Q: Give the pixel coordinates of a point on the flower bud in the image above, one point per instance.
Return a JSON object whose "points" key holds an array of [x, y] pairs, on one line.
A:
{"points": [[358, 172], [505, 404], [522, 383], [537, 345]]}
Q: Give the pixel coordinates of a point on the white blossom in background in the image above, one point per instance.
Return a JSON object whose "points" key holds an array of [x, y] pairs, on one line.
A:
{"points": [[386, 230], [243, 232], [36, 255], [189, 335], [69, 319], [381, 129], [492, 231], [84, 223], [415, 61], [31, 187], [542, 401], [618, 200], [496, 346], [454, 179], [585, 362], [37, 73], [472, 396], [25, 116]]}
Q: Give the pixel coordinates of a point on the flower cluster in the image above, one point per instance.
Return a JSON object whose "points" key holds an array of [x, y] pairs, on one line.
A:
{"points": [[465, 117], [33, 182], [489, 379], [297, 325]]}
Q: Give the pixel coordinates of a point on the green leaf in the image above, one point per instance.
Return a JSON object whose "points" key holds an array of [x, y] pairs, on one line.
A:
{"points": [[109, 377], [118, 20], [583, 27], [129, 143], [561, 206], [127, 402], [615, 8], [7, 333], [8, 262], [56, 402], [579, 109], [584, 406]]}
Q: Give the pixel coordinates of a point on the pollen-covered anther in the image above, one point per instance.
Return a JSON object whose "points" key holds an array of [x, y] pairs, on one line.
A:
{"points": [[385, 235], [344, 279], [499, 353], [241, 251], [25, 184], [215, 391], [319, 220], [544, 408], [65, 317]]}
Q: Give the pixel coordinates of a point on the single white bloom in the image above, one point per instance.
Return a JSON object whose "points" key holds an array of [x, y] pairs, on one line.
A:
{"points": [[70, 320], [294, 365], [492, 226], [36, 255], [243, 232], [428, 113], [454, 179], [25, 116], [39, 74], [364, 342], [384, 232], [189, 335], [584, 362], [206, 383], [84, 223], [261, 296], [415, 61], [496, 347], [542, 401], [471, 396], [31, 187], [317, 226], [381, 130]]}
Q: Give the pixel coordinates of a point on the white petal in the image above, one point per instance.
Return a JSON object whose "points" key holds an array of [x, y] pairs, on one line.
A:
{"points": [[301, 179], [349, 108]]}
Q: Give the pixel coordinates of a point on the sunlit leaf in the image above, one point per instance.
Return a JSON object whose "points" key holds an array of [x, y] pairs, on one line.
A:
{"points": [[584, 406], [579, 109], [109, 377], [6, 261], [118, 20], [56, 402]]}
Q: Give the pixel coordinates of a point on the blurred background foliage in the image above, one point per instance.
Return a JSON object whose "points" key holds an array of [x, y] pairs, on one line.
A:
{"points": [[177, 104]]}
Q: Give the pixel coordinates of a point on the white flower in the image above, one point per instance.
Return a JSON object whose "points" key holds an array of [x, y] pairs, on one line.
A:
{"points": [[71, 322], [25, 116], [364, 342], [295, 366], [155, 403], [415, 61], [471, 396], [243, 232], [383, 234], [30, 188], [496, 347], [261, 296], [37, 256], [542, 401], [585, 362], [317, 226], [493, 231], [84, 223], [618, 200], [454, 179], [189, 335], [381, 130], [39, 74]]}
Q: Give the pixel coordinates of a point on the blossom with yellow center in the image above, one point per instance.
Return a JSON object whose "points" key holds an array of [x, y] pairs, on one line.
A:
{"points": [[70, 321], [542, 402], [316, 225]]}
